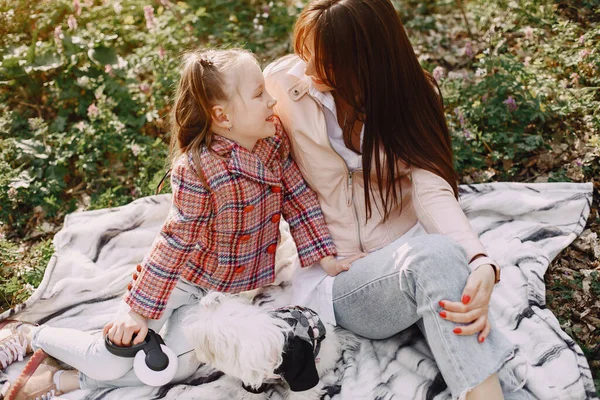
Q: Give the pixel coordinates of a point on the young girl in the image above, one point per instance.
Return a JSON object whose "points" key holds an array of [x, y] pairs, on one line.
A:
{"points": [[232, 180]]}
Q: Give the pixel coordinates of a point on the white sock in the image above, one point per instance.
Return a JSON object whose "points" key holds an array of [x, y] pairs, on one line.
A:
{"points": [[57, 379]]}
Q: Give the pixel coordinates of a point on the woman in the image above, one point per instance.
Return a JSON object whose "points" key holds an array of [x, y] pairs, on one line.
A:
{"points": [[368, 132]]}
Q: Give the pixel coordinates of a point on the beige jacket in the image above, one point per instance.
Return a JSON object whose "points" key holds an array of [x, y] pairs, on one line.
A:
{"points": [[427, 198]]}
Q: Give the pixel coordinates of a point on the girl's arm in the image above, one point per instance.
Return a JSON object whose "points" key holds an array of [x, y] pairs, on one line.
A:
{"points": [[159, 271], [302, 211]]}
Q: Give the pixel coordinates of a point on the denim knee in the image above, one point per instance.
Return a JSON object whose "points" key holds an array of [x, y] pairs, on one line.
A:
{"points": [[437, 258]]}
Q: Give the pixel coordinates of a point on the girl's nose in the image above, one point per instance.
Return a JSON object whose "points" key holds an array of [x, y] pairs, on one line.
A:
{"points": [[272, 103]]}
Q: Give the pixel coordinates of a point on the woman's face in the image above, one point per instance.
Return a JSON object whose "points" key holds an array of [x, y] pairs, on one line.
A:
{"points": [[310, 70]]}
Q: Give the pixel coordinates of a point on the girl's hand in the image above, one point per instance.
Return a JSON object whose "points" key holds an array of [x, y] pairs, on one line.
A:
{"points": [[332, 266], [473, 309], [123, 326]]}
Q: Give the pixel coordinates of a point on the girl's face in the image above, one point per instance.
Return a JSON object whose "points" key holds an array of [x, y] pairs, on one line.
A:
{"points": [[250, 109], [310, 69]]}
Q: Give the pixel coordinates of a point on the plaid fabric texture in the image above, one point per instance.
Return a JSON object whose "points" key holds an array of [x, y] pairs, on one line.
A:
{"points": [[224, 237]]}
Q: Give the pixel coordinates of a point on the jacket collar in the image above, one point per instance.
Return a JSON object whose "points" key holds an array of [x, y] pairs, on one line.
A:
{"points": [[256, 164]]}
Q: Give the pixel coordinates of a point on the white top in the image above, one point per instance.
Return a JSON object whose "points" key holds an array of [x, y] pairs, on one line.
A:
{"points": [[311, 286]]}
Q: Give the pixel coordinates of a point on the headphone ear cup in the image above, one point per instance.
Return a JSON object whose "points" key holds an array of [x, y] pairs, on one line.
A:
{"points": [[155, 378]]}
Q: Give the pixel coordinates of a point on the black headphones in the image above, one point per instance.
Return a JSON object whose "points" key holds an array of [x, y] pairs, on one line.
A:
{"points": [[154, 363]]}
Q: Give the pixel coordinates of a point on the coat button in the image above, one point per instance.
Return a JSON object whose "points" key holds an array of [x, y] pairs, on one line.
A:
{"points": [[271, 249], [129, 286], [245, 238], [275, 189], [135, 276], [139, 268], [240, 269], [248, 208], [275, 218]]}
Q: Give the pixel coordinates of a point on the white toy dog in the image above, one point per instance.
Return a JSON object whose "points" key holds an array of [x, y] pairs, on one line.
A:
{"points": [[262, 347]]}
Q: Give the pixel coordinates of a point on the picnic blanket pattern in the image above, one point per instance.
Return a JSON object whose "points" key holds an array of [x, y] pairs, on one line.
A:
{"points": [[523, 226]]}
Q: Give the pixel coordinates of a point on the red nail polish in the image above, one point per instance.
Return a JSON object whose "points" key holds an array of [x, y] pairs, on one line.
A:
{"points": [[466, 299], [441, 303], [457, 330], [443, 314], [481, 339]]}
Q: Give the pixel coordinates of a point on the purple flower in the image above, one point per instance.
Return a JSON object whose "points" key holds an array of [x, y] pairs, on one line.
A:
{"points": [[484, 98], [439, 73], [149, 15], [511, 103], [578, 163], [72, 22], [467, 134], [93, 111], [468, 50], [266, 9], [459, 114], [528, 33]]}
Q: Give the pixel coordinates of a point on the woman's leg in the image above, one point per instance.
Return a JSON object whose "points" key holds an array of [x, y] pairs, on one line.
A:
{"points": [[393, 288]]}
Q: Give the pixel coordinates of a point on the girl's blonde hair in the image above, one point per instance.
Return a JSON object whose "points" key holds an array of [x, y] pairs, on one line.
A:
{"points": [[201, 86]]}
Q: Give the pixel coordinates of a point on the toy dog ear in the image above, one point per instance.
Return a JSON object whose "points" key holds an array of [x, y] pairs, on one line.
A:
{"points": [[298, 366]]}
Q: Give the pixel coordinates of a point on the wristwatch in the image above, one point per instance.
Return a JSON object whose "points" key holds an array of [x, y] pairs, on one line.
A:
{"points": [[478, 262]]}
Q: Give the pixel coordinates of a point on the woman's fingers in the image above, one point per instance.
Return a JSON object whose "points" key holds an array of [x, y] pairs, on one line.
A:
{"points": [[473, 328], [141, 335], [485, 332], [464, 318], [470, 289]]}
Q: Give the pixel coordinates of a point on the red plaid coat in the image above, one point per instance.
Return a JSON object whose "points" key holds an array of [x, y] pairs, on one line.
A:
{"points": [[224, 238]]}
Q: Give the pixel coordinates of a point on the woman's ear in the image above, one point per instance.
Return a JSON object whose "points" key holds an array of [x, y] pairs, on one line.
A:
{"points": [[220, 117]]}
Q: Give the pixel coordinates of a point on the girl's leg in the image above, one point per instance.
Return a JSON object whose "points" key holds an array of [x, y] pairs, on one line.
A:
{"points": [[393, 288], [88, 354]]}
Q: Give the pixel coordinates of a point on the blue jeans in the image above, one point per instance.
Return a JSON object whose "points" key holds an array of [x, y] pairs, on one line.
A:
{"points": [[395, 287]]}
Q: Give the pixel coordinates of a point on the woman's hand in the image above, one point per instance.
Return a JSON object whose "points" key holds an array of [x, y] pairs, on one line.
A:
{"points": [[473, 309], [332, 266], [123, 326]]}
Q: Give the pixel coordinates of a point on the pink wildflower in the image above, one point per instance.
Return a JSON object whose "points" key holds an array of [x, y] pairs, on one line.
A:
{"points": [[72, 22], [528, 33], [574, 78], [109, 70], [161, 53], [469, 50], [439, 73], [77, 7], [581, 40], [93, 111], [584, 53], [144, 87], [149, 15]]}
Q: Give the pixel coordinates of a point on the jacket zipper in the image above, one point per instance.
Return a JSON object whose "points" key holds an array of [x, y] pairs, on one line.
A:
{"points": [[355, 211], [351, 189]]}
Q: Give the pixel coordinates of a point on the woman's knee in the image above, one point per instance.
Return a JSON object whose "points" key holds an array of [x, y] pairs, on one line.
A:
{"points": [[435, 256]]}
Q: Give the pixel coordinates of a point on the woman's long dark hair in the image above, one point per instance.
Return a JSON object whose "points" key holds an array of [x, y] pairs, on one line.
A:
{"points": [[363, 53]]}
